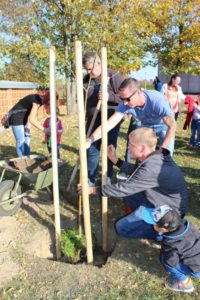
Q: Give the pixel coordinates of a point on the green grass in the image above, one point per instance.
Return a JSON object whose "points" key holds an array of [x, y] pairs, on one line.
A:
{"points": [[138, 277]]}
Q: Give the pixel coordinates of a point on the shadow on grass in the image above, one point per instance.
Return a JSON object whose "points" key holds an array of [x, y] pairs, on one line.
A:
{"points": [[69, 148], [7, 152], [141, 253]]}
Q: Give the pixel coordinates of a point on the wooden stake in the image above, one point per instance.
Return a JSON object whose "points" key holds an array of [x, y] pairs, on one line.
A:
{"points": [[54, 150], [75, 169], [104, 112], [83, 159]]}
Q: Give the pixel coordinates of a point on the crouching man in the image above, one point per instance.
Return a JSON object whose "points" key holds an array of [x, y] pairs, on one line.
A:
{"points": [[154, 180]]}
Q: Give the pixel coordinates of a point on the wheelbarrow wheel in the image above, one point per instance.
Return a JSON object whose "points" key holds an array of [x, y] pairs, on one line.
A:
{"points": [[6, 193]]}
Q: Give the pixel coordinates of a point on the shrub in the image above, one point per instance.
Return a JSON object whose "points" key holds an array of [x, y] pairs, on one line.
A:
{"points": [[72, 244]]}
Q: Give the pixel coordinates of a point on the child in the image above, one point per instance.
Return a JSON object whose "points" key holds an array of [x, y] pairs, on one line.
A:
{"points": [[195, 126], [180, 246], [47, 137]]}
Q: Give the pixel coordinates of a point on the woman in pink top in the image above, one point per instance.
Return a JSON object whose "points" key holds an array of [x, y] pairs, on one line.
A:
{"points": [[173, 93]]}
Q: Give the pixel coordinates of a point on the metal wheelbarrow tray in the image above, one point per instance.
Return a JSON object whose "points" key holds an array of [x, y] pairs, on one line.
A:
{"points": [[21, 176]]}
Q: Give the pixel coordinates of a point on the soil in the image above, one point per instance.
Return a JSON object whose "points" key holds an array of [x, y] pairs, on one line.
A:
{"points": [[27, 253], [34, 166]]}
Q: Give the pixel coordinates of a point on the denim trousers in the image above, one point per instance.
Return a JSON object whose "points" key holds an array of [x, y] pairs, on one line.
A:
{"points": [[180, 271], [195, 129], [132, 226], [22, 141], [93, 154], [160, 130]]}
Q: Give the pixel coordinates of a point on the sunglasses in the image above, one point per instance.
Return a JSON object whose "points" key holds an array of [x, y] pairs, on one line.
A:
{"points": [[128, 99]]}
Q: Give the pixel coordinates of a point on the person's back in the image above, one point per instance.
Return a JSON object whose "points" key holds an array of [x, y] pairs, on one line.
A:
{"points": [[180, 246], [159, 86]]}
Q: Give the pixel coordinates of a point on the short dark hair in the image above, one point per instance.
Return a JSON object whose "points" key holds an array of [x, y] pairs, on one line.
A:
{"points": [[90, 57], [171, 221], [132, 83]]}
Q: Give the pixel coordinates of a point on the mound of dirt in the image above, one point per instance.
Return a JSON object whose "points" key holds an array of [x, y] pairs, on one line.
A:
{"points": [[33, 166]]}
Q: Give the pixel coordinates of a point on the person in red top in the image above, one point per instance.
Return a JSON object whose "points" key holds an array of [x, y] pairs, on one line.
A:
{"points": [[47, 136]]}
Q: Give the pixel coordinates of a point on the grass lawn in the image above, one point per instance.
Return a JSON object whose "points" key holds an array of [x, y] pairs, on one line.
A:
{"points": [[133, 272]]}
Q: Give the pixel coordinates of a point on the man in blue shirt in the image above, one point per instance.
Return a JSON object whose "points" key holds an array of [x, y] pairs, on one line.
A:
{"points": [[150, 107]]}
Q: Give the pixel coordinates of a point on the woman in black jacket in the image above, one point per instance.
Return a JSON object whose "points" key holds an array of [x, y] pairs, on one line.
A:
{"points": [[22, 115]]}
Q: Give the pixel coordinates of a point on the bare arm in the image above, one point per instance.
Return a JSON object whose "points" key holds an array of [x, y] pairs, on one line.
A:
{"points": [[33, 117], [112, 154], [171, 123], [112, 122]]}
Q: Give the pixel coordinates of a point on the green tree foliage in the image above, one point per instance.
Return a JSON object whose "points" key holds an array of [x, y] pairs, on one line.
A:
{"points": [[37, 24], [170, 29], [175, 39], [26, 57]]}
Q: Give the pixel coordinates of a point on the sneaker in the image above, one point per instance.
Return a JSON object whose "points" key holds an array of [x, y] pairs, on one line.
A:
{"points": [[122, 176], [180, 286]]}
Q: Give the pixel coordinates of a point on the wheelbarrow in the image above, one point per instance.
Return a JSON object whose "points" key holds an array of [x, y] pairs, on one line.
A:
{"points": [[20, 177]]}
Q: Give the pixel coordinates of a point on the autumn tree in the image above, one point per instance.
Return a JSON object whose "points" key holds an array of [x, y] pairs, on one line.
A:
{"points": [[175, 39], [25, 56]]}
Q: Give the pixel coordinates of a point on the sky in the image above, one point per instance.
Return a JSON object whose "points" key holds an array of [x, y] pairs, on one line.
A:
{"points": [[148, 73]]}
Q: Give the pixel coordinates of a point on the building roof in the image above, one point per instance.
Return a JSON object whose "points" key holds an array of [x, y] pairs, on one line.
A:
{"points": [[6, 84]]}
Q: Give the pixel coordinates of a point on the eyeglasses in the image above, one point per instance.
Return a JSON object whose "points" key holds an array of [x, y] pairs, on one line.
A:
{"points": [[128, 99]]}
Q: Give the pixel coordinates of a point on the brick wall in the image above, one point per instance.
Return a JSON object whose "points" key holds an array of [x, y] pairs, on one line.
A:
{"points": [[9, 97]]}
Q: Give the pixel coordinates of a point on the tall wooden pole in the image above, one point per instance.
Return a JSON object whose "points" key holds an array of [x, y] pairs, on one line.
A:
{"points": [[83, 158], [104, 110], [54, 149]]}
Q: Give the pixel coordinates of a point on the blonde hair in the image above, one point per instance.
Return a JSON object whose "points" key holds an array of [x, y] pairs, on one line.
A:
{"points": [[144, 136]]}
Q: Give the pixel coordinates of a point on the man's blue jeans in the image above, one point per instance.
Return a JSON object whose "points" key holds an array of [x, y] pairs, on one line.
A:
{"points": [[94, 151], [132, 226], [134, 124], [160, 130], [180, 271], [22, 142]]}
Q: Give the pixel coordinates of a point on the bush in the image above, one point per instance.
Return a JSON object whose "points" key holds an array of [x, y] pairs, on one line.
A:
{"points": [[72, 244]]}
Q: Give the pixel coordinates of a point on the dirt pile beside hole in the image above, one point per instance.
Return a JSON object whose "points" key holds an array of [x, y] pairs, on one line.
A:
{"points": [[33, 166]]}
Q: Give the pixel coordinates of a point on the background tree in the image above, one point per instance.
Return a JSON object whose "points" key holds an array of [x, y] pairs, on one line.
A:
{"points": [[175, 39]]}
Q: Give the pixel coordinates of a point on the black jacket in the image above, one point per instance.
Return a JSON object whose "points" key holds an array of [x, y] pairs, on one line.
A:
{"points": [[182, 245], [21, 110], [115, 79], [158, 177]]}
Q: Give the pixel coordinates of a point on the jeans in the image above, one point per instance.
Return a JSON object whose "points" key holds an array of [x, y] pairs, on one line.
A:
{"points": [[180, 271], [132, 226], [93, 155], [195, 128], [160, 130], [22, 141]]}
